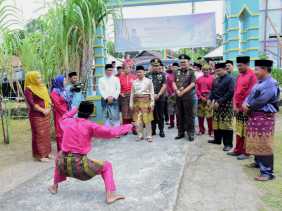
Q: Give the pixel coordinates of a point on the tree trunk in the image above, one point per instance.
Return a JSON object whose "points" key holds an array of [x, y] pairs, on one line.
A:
{"points": [[86, 70]]}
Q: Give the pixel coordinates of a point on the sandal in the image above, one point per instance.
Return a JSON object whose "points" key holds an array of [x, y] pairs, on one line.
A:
{"points": [[44, 160], [264, 178], [150, 139], [51, 157], [141, 138]]}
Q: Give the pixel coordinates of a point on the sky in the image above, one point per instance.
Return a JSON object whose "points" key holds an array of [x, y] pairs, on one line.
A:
{"points": [[33, 8]]}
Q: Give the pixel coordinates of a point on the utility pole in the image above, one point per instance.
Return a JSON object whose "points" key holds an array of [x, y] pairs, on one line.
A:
{"points": [[193, 11], [265, 25]]}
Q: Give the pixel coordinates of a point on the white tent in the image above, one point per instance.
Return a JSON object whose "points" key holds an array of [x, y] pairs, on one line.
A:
{"points": [[216, 53]]}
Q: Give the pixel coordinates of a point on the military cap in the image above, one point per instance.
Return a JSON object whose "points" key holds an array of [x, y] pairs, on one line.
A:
{"points": [[156, 62], [184, 56]]}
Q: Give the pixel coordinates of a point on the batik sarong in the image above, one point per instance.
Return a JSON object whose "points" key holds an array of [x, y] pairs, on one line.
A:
{"points": [[142, 110], [124, 107], [78, 166], [223, 117], [259, 134], [41, 137], [241, 123], [204, 110]]}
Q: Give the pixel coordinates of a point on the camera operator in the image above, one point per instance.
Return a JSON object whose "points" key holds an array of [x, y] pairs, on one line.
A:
{"points": [[74, 89]]}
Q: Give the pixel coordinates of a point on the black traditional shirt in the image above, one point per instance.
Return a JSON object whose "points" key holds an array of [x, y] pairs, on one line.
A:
{"points": [[223, 89], [158, 80], [183, 78]]}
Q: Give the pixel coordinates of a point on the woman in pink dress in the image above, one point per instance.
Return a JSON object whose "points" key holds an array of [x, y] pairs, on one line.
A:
{"points": [[60, 106]]}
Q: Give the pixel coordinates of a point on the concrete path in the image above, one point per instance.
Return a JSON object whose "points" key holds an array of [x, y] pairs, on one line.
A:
{"points": [[149, 175], [213, 181]]}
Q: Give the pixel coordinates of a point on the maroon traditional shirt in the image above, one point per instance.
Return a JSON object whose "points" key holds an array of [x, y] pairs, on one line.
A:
{"points": [[33, 100]]}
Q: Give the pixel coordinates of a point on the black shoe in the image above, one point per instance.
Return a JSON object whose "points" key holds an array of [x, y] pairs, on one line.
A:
{"points": [[232, 154], [153, 133], [135, 132], [191, 138], [227, 148], [179, 137], [162, 135], [213, 142], [170, 127]]}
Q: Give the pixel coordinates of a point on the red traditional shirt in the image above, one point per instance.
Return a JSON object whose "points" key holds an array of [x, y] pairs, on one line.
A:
{"points": [[170, 78], [126, 81], [243, 87], [204, 86]]}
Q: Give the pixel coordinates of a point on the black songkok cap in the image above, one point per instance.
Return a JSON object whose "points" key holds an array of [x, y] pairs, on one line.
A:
{"points": [[198, 65], [184, 56], [175, 64], [108, 66], [229, 62], [220, 65], [156, 62], [71, 74], [86, 107], [140, 67], [263, 63], [243, 59]]}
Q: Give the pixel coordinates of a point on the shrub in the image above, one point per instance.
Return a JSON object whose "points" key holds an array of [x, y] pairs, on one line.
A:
{"points": [[277, 74]]}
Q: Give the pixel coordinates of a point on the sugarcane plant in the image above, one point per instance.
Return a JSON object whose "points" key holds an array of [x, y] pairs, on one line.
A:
{"points": [[63, 40], [8, 18]]}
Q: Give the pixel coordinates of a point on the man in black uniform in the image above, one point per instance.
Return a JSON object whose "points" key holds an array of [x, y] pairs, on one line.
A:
{"points": [[159, 81], [221, 101], [184, 87]]}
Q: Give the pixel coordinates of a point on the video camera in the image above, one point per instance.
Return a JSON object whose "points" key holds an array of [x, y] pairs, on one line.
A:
{"points": [[77, 87]]}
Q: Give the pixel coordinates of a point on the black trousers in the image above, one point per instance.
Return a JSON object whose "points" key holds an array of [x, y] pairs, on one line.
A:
{"points": [[158, 115], [166, 117], [224, 135], [185, 116], [265, 163]]}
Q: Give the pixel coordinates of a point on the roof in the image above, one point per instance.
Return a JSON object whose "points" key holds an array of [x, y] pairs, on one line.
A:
{"points": [[146, 55], [216, 53], [110, 59]]}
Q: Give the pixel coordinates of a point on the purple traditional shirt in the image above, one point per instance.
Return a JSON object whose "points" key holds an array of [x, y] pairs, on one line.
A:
{"points": [[264, 96]]}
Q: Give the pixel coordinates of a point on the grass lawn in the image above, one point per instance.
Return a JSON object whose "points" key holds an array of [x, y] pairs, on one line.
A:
{"points": [[19, 149]]}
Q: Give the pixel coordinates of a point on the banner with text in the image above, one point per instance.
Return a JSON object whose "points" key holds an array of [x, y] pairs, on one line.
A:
{"points": [[185, 31]]}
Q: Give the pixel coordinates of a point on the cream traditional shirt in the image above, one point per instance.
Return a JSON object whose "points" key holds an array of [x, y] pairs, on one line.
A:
{"points": [[142, 87]]}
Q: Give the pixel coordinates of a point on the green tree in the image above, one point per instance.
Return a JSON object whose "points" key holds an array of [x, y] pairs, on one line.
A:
{"points": [[112, 51]]}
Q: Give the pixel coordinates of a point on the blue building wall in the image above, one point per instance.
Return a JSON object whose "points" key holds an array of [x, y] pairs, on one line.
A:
{"points": [[100, 60], [241, 29]]}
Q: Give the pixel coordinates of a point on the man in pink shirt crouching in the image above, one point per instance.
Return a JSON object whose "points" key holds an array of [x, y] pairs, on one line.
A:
{"points": [[72, 160]]}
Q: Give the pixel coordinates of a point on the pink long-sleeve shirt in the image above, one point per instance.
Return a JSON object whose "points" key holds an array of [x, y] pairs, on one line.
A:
{"points": [[78, 132]]}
